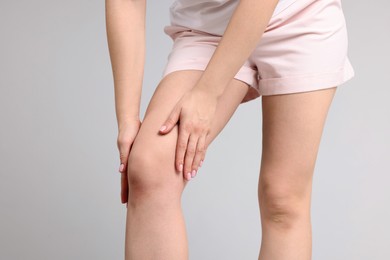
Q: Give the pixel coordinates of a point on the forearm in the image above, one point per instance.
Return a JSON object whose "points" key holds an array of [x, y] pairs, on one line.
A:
{"points": [[244, 31], [125, 24]]}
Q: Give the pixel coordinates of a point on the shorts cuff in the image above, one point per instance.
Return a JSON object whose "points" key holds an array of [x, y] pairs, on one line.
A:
{"points": [[244, 74], [306, 82]]}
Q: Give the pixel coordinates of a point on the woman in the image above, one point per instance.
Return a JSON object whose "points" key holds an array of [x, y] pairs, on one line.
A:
{"points": [[293, 53]]}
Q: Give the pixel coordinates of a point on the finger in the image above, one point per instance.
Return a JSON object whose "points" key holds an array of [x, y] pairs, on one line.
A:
{"points": [[124, 150], [121, 166], [181, 147], [199, 155], [171, 121], [206, 144], [190, 153], [124, 177], [124, 187]]}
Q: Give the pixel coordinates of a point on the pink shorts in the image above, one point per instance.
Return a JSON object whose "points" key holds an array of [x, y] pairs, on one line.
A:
{"points": [[303, 48]]}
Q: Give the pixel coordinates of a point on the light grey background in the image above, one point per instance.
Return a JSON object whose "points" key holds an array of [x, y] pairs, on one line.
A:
{"points": [[60, 186]]}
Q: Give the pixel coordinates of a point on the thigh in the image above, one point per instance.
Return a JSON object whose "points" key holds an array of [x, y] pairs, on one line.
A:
{"points": [[161, 148], [292, 130]]}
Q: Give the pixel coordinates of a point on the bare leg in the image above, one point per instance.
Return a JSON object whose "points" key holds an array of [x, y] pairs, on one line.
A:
{"points": [[292, 130], [155, 227]]}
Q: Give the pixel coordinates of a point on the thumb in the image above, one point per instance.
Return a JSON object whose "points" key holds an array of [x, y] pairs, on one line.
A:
{"points": [[124, 154], [171, 121]]}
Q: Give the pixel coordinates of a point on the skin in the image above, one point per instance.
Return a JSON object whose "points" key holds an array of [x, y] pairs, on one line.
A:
{"points": [[195, 106]]}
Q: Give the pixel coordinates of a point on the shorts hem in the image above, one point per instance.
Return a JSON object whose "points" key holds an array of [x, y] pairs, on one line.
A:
{"points": [[306, 82], [244, 74]]}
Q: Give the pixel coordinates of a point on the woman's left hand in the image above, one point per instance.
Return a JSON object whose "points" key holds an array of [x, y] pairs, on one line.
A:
{"points": [[195, 112]]}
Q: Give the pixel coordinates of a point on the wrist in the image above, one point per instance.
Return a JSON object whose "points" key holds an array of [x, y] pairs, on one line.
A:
{"points": [[212, 89], [124, 122]]}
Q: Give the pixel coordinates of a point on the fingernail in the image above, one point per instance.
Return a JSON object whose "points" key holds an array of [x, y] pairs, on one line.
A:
{"points": [[200, 164], [188, 176], [193, 173], [181, 168], [121, 167], [163, 128]]}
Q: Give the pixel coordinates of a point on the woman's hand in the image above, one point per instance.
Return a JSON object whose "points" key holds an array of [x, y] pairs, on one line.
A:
{"points": [[195, 112], [126, 135]]}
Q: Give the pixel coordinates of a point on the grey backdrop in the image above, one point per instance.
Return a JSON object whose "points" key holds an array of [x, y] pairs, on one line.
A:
{"points": [[59, 187]]}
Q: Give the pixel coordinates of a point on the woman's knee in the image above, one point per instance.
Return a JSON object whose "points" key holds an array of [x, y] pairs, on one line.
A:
{"points": [[141, 171], [151, 171], [283, 201]]}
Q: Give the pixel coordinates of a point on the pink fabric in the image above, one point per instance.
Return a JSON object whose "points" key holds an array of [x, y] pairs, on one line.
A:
{"points": [[211, 16], [303, 48]]}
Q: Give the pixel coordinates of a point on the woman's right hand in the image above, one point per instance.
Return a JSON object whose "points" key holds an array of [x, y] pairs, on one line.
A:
{"points": [[127, 132]]}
